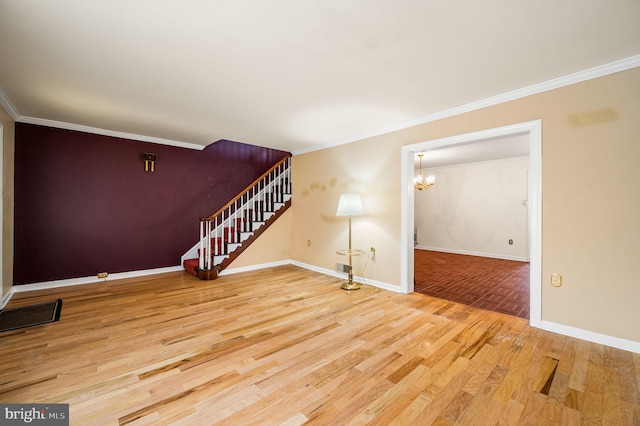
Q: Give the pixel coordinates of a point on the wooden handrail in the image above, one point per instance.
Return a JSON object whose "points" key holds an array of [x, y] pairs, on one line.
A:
{"points": [[241, 193]]}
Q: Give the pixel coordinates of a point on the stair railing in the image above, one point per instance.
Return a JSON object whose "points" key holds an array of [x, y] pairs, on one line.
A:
{"points": [[239, 215]]}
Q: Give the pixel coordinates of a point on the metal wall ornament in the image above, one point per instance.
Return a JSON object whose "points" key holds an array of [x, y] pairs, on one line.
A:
{"points": [[149, 160]]}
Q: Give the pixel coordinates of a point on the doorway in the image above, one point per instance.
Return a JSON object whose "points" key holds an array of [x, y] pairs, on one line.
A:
{"points": [[533, 132]]}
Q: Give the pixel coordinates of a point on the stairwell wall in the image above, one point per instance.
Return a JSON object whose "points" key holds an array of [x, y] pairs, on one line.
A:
{"points": [[84, 203], [273, 245]]}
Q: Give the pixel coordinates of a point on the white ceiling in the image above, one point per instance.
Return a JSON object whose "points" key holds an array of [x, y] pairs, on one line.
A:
{"points": [[289, 74], [485, 150]]}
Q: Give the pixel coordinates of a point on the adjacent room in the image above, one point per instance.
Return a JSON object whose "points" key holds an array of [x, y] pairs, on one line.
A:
{"points": [[471, 232], [211, 212]]}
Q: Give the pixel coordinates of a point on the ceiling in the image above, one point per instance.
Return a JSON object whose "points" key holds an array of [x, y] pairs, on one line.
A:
{"points": [[289, 74], [485, 150]]}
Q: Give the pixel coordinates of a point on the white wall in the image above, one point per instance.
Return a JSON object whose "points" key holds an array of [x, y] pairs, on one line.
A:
{"points": [[476, 209]]}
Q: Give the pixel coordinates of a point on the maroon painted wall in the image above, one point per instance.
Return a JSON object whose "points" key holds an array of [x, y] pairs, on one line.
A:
{"points": [[84, 204]]}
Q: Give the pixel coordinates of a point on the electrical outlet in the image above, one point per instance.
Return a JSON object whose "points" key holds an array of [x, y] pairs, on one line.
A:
{"points": [[556, 280], [372, 253], [308, 243]]}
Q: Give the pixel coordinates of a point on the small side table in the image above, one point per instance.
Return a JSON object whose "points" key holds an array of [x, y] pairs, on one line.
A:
{"points": [[350, 285]]}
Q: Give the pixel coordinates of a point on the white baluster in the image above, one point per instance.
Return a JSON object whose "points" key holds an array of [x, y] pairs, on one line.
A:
{"points": [[228, 225], [201, 252], [270, 192], [243, 206], [207, 259], [280, 191], [235, 220], [256, 202], [252, 204], [222, 233], [289, 175], [264, 196], [216, 250]]}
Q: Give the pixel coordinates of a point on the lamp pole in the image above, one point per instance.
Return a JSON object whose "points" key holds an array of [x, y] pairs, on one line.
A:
{"points": [[350, 205], [350, 279]]}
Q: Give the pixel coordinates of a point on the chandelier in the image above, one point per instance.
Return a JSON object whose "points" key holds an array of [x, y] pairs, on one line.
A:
{"points": [[420, 182]]}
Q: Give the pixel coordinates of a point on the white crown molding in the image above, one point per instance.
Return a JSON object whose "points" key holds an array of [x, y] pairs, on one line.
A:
{"points": [[13, 112], [556, 83], [588, 74], [8, 105], [104, 132]]}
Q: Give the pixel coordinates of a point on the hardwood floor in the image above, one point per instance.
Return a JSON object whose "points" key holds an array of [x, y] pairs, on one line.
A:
{"points": [[494, 284], [288, 346]]}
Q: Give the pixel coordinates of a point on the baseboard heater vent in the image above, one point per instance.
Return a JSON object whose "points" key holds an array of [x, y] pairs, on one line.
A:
{"points": [[341, 267]]}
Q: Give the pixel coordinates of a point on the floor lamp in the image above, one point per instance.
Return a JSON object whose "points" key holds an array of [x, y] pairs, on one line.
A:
{"points": [[350, 205]]}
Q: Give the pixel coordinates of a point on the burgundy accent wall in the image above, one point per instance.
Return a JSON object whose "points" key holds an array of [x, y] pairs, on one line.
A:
{"points": [[84, 204]]}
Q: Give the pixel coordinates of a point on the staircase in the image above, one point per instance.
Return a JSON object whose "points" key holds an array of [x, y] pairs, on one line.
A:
{"points": [[229, 231]]}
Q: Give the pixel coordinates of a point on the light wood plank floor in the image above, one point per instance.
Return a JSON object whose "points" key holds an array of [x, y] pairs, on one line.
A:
{"points": [[288, 346]]}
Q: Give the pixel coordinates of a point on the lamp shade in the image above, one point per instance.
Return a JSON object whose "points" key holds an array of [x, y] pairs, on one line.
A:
{"points": [[350, 205]]}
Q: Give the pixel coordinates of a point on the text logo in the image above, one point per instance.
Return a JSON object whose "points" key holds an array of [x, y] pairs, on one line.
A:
{"points": [[34, 414]]}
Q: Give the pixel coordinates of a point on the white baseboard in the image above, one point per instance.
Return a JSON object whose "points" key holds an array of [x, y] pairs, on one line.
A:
{"points": [[90, 280], [474, 253], [133, 274], [603, 339], [231, 271], [361, 280], [6, 298], [324, 271]]}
